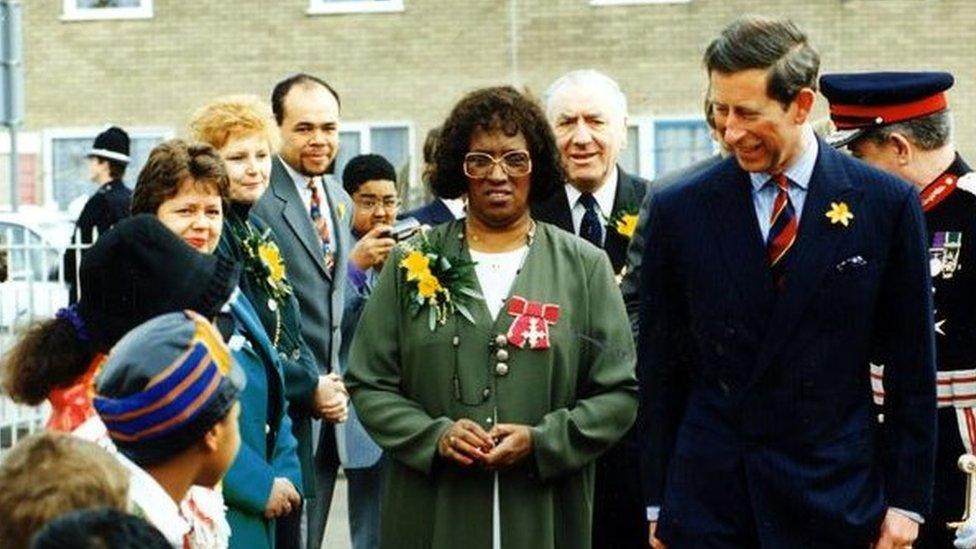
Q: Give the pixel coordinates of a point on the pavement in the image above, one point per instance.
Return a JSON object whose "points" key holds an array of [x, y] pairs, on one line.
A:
{"points": [[337, 527]]}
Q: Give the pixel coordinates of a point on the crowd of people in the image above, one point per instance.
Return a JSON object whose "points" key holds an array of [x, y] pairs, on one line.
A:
{"points": [[769, 348]]}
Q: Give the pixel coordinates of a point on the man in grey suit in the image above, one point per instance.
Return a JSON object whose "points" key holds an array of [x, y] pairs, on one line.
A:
{"points": [[310, 216]]}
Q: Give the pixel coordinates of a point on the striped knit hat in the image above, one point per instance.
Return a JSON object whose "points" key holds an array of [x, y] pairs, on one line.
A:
{"points": [[164, 385]]}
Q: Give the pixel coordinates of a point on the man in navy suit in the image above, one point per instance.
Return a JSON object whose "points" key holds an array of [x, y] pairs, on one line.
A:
{"points": [[770, 282]]}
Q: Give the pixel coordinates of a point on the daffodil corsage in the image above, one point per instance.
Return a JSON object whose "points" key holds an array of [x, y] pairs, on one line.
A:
{"points": [[624, 221], [263, 260], [441, 284]]}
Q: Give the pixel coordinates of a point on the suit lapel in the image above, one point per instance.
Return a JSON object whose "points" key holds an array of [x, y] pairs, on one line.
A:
{"points": [[625, 198], [729, 199], [814, 251], [294, 214]]}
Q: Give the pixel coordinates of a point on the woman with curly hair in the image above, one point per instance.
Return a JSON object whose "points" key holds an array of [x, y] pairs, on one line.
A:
{"points": [[494, 361]]}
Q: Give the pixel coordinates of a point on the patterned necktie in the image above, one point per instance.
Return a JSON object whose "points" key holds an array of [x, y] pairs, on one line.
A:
{"points": [[782, 229], [321, 226], [590, 228]]}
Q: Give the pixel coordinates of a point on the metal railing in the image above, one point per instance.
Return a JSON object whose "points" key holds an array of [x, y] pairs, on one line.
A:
{"points": [[34, 289]]}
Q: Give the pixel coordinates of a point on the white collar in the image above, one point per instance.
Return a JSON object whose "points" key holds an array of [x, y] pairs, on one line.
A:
{"points": [[300, 179], [150, 500], [604, 195], [455, 206]]}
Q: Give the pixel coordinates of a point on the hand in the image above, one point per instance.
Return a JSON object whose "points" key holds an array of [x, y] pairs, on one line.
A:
{"points": [[464, 442], [373, 248], [512, 443], [283, 499], [897, 531], [652, 537], [331, 401]]}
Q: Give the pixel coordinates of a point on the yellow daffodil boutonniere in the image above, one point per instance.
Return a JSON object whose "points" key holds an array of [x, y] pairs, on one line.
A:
{"points": [[263, 260], [839, 213], [443, 285], [624, 221]]}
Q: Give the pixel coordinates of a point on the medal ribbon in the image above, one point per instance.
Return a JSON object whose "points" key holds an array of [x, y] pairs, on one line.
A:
{"points": [[531, 324]]}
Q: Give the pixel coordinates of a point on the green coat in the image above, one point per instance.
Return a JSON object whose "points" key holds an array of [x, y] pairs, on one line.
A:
{"points": [[579, 397]]}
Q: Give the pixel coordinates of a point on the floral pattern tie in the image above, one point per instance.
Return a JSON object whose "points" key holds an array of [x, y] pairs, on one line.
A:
{"points": [[321, 226]]}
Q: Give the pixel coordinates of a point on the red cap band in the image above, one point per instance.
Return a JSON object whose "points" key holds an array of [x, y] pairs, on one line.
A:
{"points": [[847, 117]]}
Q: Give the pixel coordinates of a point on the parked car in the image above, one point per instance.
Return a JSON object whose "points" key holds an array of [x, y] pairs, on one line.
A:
{"points": [[34, 286]]}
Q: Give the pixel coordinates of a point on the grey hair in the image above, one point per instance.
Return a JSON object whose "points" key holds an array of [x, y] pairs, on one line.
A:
{"points": [[927, 132], [776, 45], [583, 77]]}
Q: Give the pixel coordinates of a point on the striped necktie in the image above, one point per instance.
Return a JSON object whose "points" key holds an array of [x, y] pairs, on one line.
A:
{"points": [[321, 226], [782, 229]]}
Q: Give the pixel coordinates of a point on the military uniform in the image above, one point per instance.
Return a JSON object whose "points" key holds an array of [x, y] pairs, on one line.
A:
{"points": [[949, 203], [860, 102]]}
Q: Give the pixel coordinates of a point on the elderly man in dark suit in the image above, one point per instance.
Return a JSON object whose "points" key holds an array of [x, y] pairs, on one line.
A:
{"points": [[588, 114], [770, 282], [310, 216]]}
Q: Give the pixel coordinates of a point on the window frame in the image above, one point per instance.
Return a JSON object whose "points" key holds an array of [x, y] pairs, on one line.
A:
{"points": [[50, 135], [635, 2], [366, 141], [325, 7], [71, 12], [652, 135]]}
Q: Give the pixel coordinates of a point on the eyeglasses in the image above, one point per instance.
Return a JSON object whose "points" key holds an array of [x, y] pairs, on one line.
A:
{"points": [[514, 163], [370, 204]]}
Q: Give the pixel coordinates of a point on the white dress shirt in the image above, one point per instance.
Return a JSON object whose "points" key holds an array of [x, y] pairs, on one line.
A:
{"points": [[604, 201], [301, 185]]}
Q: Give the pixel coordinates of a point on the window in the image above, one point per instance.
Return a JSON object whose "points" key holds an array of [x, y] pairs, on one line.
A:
{"points": [[632, 2], [656, 146], [680, 142], [66, 181], [391, 140], [80, 10], [316, 7], [28, 157]]}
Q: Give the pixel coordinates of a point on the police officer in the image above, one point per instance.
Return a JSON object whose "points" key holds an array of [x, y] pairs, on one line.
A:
{"points": [[900, 122], [107, 161]]}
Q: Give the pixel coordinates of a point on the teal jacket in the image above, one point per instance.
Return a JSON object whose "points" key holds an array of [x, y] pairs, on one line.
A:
{"points": [[268, 447], [296, 358]]}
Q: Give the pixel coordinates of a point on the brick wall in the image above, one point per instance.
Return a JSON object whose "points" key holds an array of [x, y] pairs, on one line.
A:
{"points": [[413, 65]]}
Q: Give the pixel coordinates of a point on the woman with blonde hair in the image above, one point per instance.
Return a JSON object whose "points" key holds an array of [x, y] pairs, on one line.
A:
{"points": [[240, 128]]}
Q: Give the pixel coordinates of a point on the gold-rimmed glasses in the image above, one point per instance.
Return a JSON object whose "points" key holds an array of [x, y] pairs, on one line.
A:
{"points": [[479, 165]]}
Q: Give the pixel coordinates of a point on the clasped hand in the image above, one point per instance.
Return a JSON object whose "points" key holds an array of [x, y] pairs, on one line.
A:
{"points": [[466, 443], [282, 500], [331, 400]]}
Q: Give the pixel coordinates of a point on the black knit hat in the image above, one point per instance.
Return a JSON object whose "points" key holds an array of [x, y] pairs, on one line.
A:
{"points": [[366, 167], [138, 270], [112, 144]]}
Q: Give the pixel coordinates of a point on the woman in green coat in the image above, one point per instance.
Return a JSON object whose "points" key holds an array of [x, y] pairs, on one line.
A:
{"points": [[494, 360]]}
